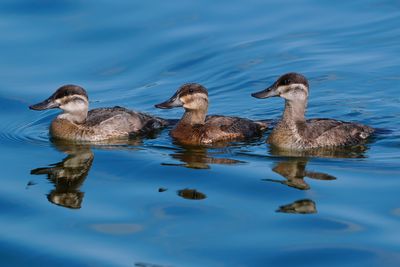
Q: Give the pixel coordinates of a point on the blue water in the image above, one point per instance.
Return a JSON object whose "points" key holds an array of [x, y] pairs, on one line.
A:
{"points": [[154, 203]]}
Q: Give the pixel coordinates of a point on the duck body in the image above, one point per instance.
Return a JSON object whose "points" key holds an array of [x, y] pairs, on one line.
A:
{"points": [[106, 123], [217, 129], [317, 133], [79, 124], [293, 131], [195, 127]]}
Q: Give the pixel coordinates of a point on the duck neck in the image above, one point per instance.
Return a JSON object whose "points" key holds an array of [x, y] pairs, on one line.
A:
{"points": [[193, 117], [294, 111]]}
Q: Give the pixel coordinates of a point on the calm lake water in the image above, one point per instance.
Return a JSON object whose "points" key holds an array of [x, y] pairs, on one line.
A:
{"points": [[153, 203]]}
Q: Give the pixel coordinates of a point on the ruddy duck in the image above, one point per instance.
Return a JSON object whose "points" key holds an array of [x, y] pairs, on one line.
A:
{"points": [[77, 123], [295, 132], [197, 128]]}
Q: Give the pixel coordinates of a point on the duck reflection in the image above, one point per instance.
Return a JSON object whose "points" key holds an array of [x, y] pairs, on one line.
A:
{"points": [[191, 194], [294, 171], [357, 151], [303, 206], [199, 157], [68, 175]]}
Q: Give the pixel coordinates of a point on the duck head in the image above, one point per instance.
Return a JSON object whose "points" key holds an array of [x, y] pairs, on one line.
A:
{"points": [[72, 99], [290, 86], [190, 96]]}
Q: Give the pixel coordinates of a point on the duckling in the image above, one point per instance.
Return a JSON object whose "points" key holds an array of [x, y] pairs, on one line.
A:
{"points": [[79, 124], [196, 128], [293, 131]]}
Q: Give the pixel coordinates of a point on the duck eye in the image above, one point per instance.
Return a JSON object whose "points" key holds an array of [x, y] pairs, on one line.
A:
{"points": [[286, 82], [191, 90]]}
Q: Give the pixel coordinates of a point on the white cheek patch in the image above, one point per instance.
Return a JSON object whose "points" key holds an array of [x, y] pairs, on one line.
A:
{"points": [[293, 91], [196, 95], [285, 88], [192, 98], [299, 86], [71, 98], [73, 104], [194, 101]]}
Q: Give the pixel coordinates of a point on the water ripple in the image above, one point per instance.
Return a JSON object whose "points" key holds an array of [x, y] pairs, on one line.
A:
{"points": [[18, 133]]}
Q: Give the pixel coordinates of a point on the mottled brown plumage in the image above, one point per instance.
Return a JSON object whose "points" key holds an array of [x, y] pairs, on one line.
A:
{"points": [[77, 123], [293, 131], [197, 128]]}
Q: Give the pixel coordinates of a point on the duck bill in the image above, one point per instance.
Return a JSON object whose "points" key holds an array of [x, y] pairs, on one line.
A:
{"points": [[269, 92], [46, 104], [173, 102]]}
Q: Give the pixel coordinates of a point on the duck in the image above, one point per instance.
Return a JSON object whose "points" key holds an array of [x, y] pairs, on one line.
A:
{"points": [[100, 124], [294, 132], [196, 128]]}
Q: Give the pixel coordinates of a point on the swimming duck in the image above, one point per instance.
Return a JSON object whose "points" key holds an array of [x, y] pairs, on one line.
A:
{"points": [[77, 123], [295, 132], [196, 128]]}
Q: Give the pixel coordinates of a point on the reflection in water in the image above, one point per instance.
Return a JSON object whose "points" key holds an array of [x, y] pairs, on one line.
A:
{"points": [[357, 151], [198, 157], [30, 183], [191, 194], [294, 171], [68, 175], [303, 206]]}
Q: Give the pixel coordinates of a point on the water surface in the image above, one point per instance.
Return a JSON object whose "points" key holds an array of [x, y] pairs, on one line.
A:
{"points": [[152, 202]]}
